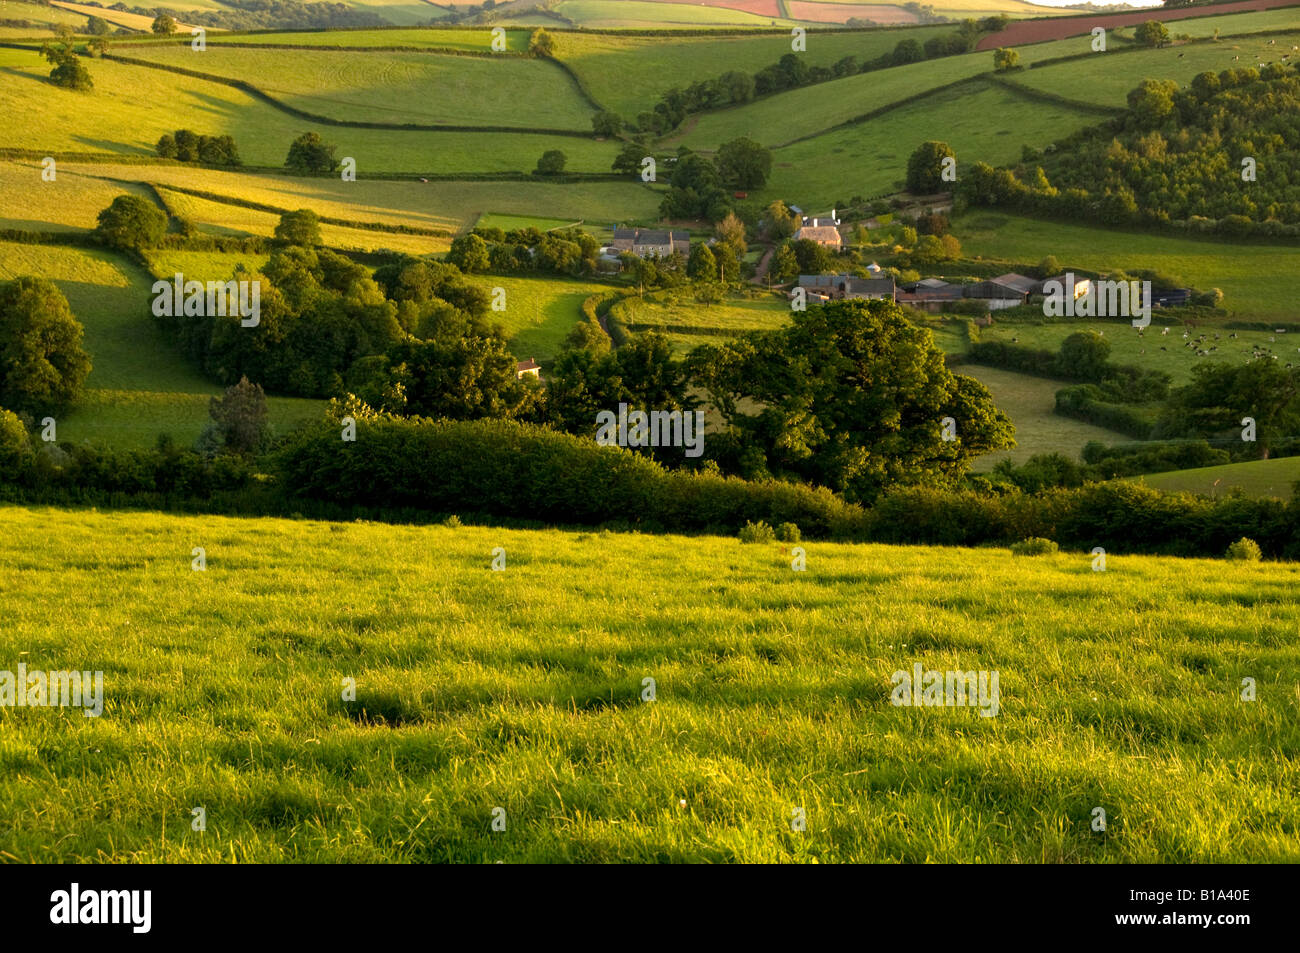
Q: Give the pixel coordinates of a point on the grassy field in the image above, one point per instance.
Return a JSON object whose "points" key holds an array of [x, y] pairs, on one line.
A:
{"points": [[476, 39], [732, 315], [69, 203], [1255, 278], [134, 105], [1152, 349], [630, 74], [540, 312], [522, 690], [1030, 402], [981, 123], [1108, 80], [218, 218], [419, 88], [1257, 478], [449, 205], [132, 21]]}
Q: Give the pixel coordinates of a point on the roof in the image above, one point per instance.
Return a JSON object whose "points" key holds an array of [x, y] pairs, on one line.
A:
{"points": [[993, 289], [932, 283], [528, 365], [819, 233], [1019, 282], [870, 286]]}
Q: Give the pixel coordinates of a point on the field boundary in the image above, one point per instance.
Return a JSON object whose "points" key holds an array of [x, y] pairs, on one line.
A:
{"points": [[1028, 92]]}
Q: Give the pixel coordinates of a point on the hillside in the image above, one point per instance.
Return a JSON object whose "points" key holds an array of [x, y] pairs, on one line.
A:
{"points": [[522, 689]]}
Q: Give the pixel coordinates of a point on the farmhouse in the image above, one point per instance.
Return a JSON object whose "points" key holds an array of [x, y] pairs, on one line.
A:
{"points": [[644, 242], [528, 368], [825, 235]]}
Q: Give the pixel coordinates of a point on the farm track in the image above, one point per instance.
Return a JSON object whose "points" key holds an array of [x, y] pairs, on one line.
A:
{"points": [[1022, 32]]}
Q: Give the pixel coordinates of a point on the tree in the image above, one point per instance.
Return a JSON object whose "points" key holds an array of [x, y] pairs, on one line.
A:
{"points": [[731, 230], [702, 266], [551, 163], [1004, 59], [1049, 267], [43, 366], [166, 147], [163, 25], [606, 123], [728, 262], [15, 443], [541, 43], [925, 168], [1083, 356], [309, 153], [299, 228], [132, 222], [240, 420], [98, 26], [784, 266], [1152, 101], [69, 72], [629, 158], [469, 253], [1152, 33], [743, 164], [907, 51], [849, 395], [781, 222], [1220, 395]]}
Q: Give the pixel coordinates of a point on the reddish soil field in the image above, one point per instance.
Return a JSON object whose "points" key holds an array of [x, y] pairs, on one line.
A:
{"points": [[762, 8], [841, 12], [1020, 32]]}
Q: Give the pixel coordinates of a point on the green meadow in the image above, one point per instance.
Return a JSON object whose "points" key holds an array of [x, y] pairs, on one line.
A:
{"points": [[418, 88], [539, 312], [1256, 478], [134, 105], [1256, 278], [522, 690]]}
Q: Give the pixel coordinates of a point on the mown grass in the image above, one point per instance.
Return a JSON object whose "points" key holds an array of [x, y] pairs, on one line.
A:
{"points": [[1030, 403], [448, 205], [220, 218], [69, 203], [522, 690], [420, 88], [1255, 278], [1256, 478], [131, 106]]}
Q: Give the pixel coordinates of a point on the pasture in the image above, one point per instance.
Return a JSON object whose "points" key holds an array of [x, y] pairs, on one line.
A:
{"points": [[1255, 278], [418, 88], [1256, 478], [1030, 403], [134, 105], [522, 690], [540, 312]]}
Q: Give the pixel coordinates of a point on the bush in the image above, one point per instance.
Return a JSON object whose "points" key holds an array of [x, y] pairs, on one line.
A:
{"points": [[788, 533], [1245, 550], [758, 532], [1034, 546]]}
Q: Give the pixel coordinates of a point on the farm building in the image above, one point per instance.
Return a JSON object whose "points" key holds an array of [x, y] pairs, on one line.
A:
{"points": [[826, 287], [644, 242], [528, 368], [825, 235]]}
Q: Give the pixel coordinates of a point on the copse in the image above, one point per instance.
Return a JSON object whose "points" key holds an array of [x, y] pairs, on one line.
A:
{"points": [[187, 146], [309, 153], [925, 167], [43, 366], [301, 228], [69, 72], [163, 25]]}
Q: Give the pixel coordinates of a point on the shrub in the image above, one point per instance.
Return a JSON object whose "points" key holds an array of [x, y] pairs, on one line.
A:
{"points": [[1245, 550], [758, 532], [452, 522], [1034, 546], [788, 533]]}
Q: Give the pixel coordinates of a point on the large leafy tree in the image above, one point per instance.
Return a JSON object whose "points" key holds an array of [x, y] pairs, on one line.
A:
{"points": [[43, 366], [132, 222], [309, 153], [1221, 395], [744, 164], [851, 395], [925, 167]]}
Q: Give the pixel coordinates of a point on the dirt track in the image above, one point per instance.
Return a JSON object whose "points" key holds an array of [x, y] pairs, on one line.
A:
{"points": [[1020, 32]]}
